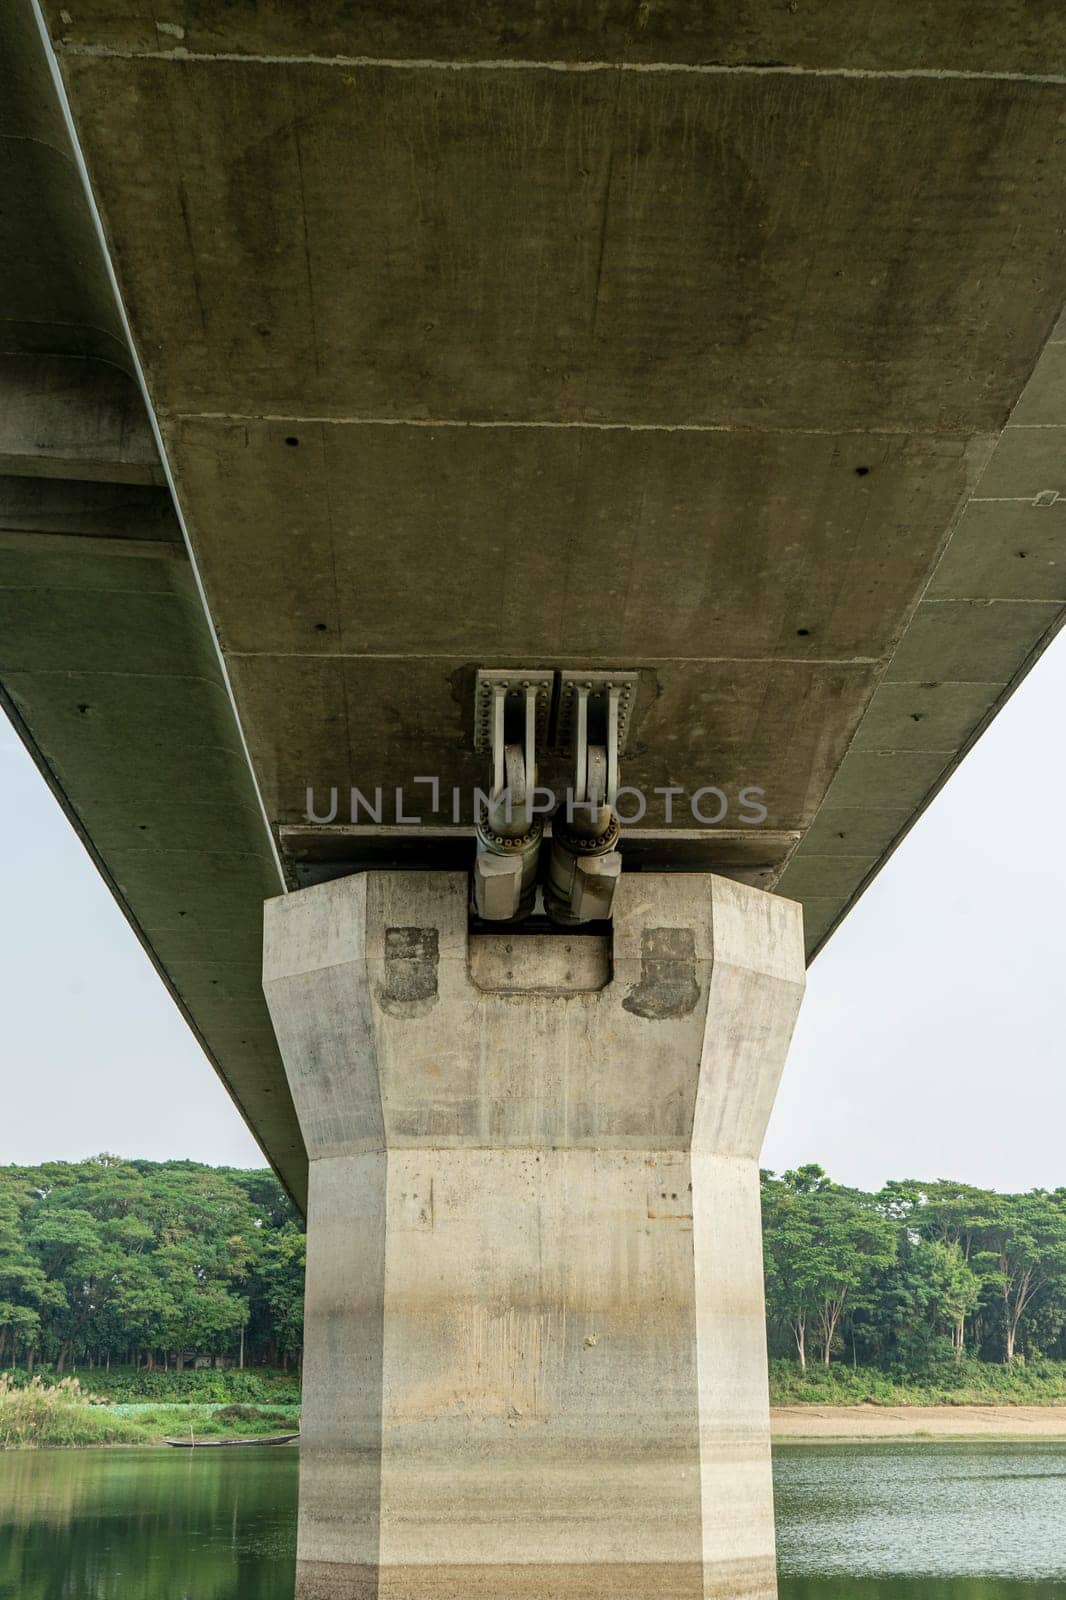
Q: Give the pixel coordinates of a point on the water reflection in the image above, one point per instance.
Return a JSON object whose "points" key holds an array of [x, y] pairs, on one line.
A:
{"points": [[151, 1524], [954, 1521], [958, 1520]]}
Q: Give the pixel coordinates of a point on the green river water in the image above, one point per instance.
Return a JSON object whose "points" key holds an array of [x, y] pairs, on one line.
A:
{"points": [[945, 1521]]}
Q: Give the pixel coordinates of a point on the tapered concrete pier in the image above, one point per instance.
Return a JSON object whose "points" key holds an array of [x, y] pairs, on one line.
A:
{"points": [[535, 1358]]}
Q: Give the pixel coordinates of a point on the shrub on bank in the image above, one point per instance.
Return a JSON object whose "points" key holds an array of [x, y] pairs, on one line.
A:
{"points": [[43, 1414], [37, 1413]]}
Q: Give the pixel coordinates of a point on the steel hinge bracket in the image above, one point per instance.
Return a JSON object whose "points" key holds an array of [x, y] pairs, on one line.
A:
{"points": [[514, 685], [599, 686]]}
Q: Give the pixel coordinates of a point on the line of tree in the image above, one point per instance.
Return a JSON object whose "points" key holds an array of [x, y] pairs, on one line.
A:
{"points": [[153, 1263], [147, 1263], [915, 1276]]}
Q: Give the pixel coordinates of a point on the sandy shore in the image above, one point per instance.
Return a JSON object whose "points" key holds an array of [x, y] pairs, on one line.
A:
{"points": [[901, 1422]]}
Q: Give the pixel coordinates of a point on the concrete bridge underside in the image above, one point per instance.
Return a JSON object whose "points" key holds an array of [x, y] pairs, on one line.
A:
{"points": [[724, 348]]}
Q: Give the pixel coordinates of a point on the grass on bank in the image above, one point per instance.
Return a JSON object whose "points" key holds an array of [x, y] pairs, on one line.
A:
{"points": [[209, 1422], [971, 1383], [40, 1414]]}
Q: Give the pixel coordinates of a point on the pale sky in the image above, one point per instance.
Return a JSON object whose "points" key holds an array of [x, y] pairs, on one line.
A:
{"points": [[931, 1042]]}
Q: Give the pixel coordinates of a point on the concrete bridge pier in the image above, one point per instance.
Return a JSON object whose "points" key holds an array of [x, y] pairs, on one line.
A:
{"points": [[535, 1357]]}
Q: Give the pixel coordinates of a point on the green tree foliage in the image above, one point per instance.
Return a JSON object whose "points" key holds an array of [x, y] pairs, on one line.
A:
{"points": [[914, 1277], [149, 1264], [824, 1247], [281, 1275], [145, 1262], [24, 1287]]}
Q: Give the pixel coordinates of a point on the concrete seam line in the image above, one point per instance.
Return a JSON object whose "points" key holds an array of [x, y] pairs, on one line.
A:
{"points": [[83, 171], [900, 431], [492, 64], [450, 655]]}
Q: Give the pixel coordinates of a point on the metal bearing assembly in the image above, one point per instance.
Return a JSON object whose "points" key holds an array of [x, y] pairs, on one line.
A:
{"points": [[591, 717]]}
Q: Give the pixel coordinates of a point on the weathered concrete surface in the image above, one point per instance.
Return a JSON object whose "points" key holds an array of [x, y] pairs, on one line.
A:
{"points": [[64, 417], [56, 301], [1013, 36], [614, 333], [535, 1358]]}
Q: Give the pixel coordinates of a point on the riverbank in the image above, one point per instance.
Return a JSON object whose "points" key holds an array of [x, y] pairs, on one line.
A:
{"points": [[63, 1415], [41, 1415], [151, 1424], [917, 1422], [155, 1422], [964, 1383], [127, 1425]]}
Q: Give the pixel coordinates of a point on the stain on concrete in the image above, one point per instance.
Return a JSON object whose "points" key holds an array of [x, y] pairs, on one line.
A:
{"points": [[668, 986], [670, 1205], [752, 1578], [411, 959]]}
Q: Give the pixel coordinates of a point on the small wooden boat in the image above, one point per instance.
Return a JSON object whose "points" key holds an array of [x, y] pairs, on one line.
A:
{"points": [[221, 1444]]}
